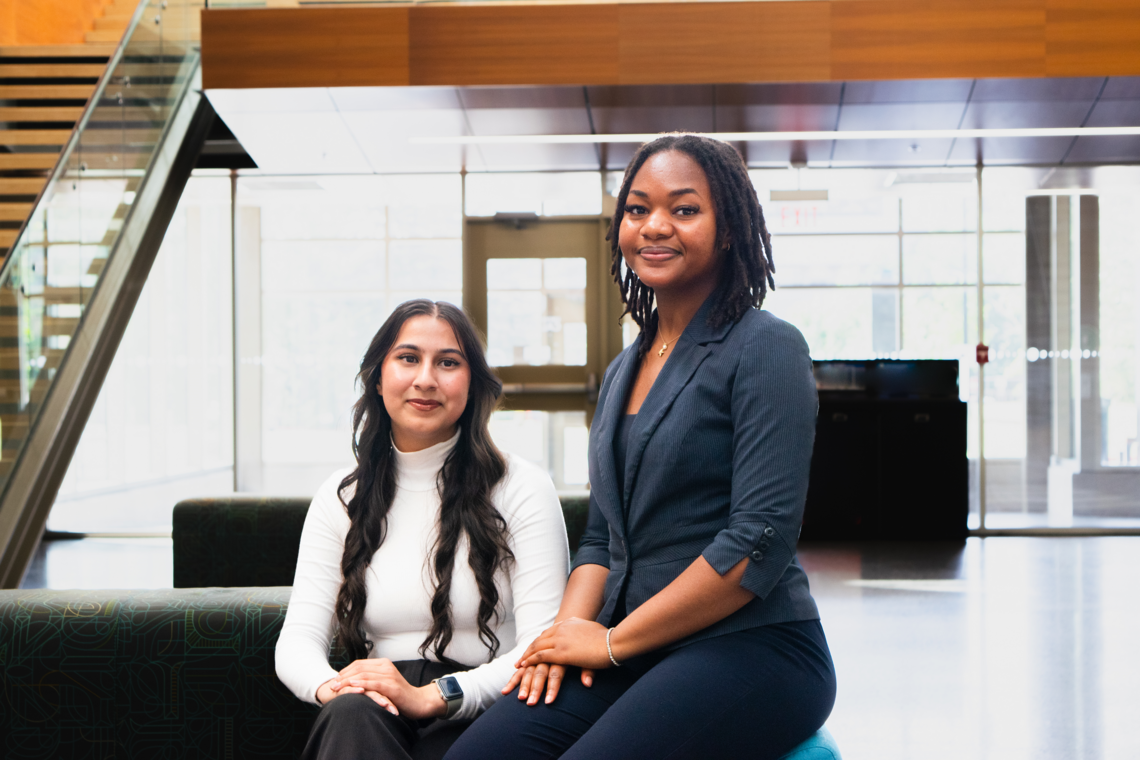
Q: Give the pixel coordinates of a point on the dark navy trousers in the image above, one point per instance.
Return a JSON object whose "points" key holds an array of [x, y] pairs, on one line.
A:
{"points": [[754, 694]]}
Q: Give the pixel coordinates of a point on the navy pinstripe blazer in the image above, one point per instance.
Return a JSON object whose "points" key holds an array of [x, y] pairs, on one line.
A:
{"points": [[717, 466]]}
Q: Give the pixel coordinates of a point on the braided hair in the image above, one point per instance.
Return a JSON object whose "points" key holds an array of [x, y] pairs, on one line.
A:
{"points": [[746, 268]]}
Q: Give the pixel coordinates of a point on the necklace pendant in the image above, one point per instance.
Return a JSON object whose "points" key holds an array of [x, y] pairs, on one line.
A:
{"points": [[664, 346]]}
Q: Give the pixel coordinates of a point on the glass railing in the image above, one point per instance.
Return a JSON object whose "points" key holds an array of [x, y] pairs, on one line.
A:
{"points": [[56, 260]]}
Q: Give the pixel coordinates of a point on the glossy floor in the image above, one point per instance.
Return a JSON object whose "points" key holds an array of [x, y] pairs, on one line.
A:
{"points": [[1010, 648], [997, 648]]}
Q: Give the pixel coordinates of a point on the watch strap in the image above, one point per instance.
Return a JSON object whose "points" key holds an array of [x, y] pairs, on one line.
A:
{"points": [[453, 703]]}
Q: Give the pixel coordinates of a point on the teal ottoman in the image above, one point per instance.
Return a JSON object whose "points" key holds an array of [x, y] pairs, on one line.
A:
{"points": [[820, 746]]}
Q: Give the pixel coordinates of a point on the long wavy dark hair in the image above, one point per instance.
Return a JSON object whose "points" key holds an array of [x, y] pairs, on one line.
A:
{"points": [[746, 268], [469, 474]]}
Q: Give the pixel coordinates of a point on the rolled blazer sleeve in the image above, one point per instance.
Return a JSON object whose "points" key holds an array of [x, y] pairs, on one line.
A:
{"points": [[594, 547], [774, 406]]}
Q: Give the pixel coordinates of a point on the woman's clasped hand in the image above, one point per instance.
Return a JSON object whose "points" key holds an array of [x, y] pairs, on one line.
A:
{"points": [[570, 642], [379, 680]]}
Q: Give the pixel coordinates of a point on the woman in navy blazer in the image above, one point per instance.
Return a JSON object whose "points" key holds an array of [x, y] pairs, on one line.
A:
{"points": [[687, 620]]}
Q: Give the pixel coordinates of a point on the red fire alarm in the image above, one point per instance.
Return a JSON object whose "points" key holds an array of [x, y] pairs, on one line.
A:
{"points": [[983, 353]]}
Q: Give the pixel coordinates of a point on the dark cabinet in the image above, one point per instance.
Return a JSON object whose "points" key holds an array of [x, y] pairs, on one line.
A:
{"points": [[888, 464]]}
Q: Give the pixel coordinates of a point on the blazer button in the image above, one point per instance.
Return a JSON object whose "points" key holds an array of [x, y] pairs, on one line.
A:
{"points": [[757, 555], [763, 544], [769, 531]]}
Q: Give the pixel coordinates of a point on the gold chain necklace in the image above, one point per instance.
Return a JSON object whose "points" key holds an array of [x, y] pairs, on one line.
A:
{"points": [[665, 344]]}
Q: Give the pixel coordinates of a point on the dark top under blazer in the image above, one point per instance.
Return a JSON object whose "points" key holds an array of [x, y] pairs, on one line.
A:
{"points": [[717, 466]]}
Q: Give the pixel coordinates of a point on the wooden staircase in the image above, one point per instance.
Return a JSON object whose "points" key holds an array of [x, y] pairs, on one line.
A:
{"points": [[43, 90]]}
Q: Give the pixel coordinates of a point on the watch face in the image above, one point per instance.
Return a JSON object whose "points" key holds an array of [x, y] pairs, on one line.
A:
{"points": [[449, 687]]}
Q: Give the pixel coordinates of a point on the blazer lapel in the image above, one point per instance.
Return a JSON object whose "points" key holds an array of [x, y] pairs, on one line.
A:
{"points": [[606, 490], [688, 352], [675, 375]]}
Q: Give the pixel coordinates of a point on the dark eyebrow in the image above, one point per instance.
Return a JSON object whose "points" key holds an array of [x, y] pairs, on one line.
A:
{"points": [[672, 193], [413, 347]]}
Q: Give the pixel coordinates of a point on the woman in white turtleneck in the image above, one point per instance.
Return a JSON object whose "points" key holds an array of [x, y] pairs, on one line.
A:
{"points": [[434, 562]]}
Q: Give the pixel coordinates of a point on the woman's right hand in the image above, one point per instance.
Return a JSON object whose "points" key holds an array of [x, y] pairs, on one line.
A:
{"points": [[326, 693], [531, 680]]}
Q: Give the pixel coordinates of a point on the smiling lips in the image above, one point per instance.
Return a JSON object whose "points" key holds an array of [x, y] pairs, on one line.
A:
{"points": [[657, 253], [423, 404]]}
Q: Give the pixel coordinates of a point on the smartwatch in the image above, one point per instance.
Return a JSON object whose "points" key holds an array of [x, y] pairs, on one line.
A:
{"points": [[451, 693]]}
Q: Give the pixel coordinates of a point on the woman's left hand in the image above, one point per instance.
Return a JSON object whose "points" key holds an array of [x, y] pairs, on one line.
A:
{"points": [[571, 642], [381, 676]]}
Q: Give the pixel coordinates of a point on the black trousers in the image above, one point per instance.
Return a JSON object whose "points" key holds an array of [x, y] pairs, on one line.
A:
{"points": [[755, 694], [353, 726]]}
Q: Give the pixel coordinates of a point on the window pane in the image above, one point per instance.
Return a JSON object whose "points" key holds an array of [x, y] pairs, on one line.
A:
{"points": [[425, 206], [1005, 374], [836, 260], [425, 264], [1119, 330], [859, 200], [951, 207], [514, 274], [940, 259], [938, 323], [1003, 258], [551, 194], [837, 323], [312, 345], [555, 441], [536, 311], [317, 265]]}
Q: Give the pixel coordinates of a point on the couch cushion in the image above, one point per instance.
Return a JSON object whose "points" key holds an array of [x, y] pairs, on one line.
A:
{"points": [[253, 541], [237, 541], [172, 674]]}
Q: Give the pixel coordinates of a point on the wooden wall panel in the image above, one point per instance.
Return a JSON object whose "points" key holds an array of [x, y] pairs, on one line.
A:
{"points": [[525, 44], [893, 39], [693, 43], [668, 43], [794, 42], [47, 22], [305, 47], [1092, 38]]}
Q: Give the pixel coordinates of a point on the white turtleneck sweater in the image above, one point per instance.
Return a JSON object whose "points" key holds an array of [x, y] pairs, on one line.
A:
{"points": [[398, 615]]}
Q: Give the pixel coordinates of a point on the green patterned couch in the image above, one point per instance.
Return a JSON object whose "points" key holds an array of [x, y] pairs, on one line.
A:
{"points": [[183, 673]]}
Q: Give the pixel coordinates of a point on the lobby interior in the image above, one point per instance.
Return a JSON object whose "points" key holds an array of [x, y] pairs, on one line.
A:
{"points": [[934, 179]]}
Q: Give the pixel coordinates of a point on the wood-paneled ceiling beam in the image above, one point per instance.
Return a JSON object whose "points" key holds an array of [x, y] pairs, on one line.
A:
{"points": [[668, 43]]}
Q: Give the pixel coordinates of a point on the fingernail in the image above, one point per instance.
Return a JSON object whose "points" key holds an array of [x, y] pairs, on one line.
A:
{"points": [[589, 681], [549, 699]]}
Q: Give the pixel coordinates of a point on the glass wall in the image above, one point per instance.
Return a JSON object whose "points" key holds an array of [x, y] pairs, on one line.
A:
{"points": [[885, 267], [162, 427], [336, 255]]}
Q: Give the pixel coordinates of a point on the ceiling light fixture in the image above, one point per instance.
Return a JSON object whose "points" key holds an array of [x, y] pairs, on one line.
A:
{"points": [[862, 134]]}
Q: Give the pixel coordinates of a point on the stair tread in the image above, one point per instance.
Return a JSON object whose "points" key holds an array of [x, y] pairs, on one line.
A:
{"points": [[40, 114], [51, 70], [34, 136], [22, 185], [57, 51], [9, 161], [46, 91], [14, 212]]}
